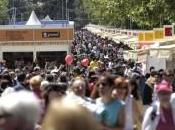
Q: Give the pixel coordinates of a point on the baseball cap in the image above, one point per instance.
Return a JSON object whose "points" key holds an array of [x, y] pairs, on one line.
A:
{"points": [[164, 86]]}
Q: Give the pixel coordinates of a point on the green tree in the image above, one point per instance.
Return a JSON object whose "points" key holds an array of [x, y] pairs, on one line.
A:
{"points": [[4, 11], [132, 13]]}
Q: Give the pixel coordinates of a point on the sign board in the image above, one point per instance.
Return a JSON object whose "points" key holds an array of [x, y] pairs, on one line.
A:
{"points": [[36, 35], [168, 30], [149, 36], [141, 36], [51, 34], [158, 33], [15, 35]]}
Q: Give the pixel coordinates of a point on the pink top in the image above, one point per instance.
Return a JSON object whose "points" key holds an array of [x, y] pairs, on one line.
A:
{"points": [[166, 120]]}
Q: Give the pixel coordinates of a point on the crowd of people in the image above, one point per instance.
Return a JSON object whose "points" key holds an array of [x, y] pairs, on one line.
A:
{"points": [[109, 93]]}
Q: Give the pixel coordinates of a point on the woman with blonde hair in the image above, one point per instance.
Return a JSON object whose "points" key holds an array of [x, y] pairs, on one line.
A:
{"points": [[110, 111], [124, 91], [68, 115]]}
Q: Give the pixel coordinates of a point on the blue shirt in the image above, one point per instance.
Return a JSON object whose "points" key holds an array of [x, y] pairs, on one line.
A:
{"points": [[108, 113]]}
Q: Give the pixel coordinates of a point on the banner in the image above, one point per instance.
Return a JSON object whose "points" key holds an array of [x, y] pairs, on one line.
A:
{"points": [[168, 30], [158, 33], [36, 35], [149, 36], [141, 36]]}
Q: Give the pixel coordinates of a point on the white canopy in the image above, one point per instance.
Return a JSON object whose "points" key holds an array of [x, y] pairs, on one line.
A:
{"points": [[33, 20], [47, 18]]}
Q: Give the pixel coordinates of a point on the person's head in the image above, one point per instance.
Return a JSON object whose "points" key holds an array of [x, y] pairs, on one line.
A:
{"points": [[12, 74], [152, 79], [154, 74], [49, 78], [168, 76], [17, 71], [35, 84], [19, 111], [7, 77], [121, 88], [21, 77], [78, 87], [44, 85], [63, 77], [54, 91], [4, 84], [76, 71], [36, 69], [164, 90], [161, 71], [105, 86], [67, 115], [152, 68]]}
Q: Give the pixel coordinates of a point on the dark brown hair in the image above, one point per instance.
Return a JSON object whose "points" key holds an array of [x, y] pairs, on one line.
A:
{"points": [[109, 79]]}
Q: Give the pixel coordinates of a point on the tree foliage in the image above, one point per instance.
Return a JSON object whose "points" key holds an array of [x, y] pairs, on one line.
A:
{"points": [[143, 14], [56, 9], [3, 10], [135, 14]]}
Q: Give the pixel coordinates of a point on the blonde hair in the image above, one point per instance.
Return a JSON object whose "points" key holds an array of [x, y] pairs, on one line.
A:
{"points": [[68, 115], [35, 82]]}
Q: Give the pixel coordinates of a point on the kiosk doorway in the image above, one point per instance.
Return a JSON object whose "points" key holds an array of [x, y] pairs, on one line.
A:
{"points": [[17, 59]]}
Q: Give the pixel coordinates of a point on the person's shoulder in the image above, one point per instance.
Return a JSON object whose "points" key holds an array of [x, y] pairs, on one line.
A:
{"points": [[88, 99], [18, 87], [149, 110], [153, 109], [173, 95], [7, 91], [99, 101], [119, 102], [173, 100], [149, 117]]}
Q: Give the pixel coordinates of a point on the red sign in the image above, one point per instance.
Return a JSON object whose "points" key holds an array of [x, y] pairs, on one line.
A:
{"points": [[168, 31]]}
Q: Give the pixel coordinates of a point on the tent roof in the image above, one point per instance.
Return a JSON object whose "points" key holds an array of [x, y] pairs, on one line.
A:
{"points": [[33, 20], [47, 18]]}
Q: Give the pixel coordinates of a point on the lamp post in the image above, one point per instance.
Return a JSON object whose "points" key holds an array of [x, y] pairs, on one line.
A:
{"points": [[66, 10], [62, 9], [14, 13]]}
